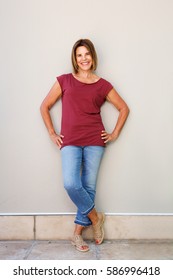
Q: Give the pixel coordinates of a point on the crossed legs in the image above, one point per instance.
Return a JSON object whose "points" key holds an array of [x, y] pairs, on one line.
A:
{"points": [[80, 167]]}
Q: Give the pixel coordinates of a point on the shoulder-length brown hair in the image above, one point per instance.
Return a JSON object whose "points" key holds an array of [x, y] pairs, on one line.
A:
{"points": [[90, 47]]}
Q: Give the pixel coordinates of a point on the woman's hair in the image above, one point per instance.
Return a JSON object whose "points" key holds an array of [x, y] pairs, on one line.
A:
{"points": [[90, 47]]}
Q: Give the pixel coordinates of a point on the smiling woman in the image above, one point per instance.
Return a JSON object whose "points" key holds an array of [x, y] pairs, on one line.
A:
{"points": [[84, 59], [83, 137], [84, 49]]}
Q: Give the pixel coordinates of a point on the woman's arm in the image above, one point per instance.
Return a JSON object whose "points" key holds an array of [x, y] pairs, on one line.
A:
{"points": [[114, 98], [53, 95]]}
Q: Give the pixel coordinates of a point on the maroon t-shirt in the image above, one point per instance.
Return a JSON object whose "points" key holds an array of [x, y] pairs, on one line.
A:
{"points": [[81, 102]]}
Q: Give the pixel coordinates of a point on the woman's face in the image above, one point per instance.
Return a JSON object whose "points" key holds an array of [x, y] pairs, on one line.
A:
{"points": [[83, 58]]}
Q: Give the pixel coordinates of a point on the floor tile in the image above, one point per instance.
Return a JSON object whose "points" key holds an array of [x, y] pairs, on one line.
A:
{"points": [[109, 250], [140, 250], [14, 250], [60, 250]]}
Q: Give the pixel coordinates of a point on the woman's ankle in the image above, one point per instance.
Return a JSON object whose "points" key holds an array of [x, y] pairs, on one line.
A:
{"points": [[78, 230], [93, 216]]}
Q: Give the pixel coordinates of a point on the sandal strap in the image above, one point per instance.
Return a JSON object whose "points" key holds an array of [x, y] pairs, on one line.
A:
{"points": [[78, 241], [98, 228]]}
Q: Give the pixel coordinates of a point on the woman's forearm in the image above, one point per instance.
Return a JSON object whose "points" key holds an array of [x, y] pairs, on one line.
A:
{"points": [[47, 119], [56, 138], [123, 114]]}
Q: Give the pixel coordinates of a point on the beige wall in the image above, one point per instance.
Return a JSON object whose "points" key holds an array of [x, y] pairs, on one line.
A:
{"points": [[134, 42], [57, 227]]}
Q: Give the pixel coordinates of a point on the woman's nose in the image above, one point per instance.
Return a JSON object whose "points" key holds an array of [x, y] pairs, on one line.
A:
{"points": [[84, 57]]}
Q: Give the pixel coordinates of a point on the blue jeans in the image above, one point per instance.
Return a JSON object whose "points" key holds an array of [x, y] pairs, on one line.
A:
{"points": [[80, 165]]}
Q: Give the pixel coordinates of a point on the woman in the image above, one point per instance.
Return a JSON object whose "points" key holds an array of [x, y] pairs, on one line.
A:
{"points": [[83, 138]]}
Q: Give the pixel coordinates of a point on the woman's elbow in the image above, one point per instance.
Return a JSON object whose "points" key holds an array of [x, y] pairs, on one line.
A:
{"points": [[125, 110], [43, 108]]}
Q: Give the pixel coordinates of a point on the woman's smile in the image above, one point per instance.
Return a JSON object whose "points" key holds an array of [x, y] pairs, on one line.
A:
{"points": [[83, 58]]}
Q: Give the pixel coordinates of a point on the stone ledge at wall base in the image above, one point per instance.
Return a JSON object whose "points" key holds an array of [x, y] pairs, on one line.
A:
{"points": [[59, 227]]}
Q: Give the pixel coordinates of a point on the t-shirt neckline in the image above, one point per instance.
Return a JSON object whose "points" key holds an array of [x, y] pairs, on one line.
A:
{"points": [[84, 82]]}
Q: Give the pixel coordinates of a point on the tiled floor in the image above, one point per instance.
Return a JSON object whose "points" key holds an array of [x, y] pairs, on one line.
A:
{"points": [[109, 250]]}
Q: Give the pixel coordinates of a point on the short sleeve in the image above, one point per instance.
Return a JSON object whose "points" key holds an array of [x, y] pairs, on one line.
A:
{"points": [[61, 79], [107, 86]]}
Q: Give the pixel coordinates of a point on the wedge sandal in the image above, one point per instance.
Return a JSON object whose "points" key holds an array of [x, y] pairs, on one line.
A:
{"points": [[79, 243], [98, 229]]}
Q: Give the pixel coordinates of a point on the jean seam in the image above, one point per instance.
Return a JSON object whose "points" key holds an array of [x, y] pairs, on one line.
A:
{"points": [[81, 223]]}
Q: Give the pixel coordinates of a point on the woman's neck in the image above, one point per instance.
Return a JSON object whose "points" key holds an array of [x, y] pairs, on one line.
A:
{"points": [[86, 76]]}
